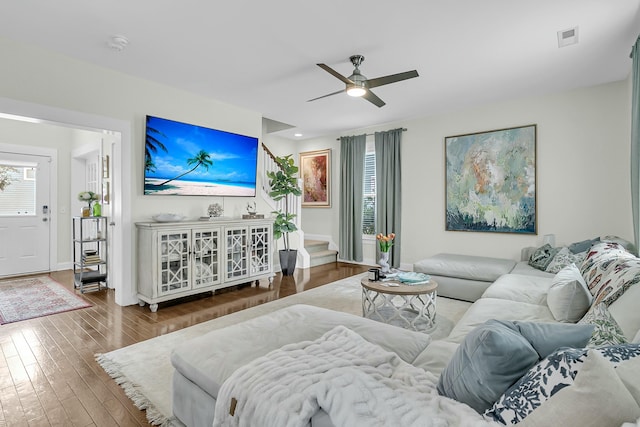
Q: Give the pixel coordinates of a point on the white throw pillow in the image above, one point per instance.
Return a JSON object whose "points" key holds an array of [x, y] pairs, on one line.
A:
{"points": [[637, 338], [569, 298]]}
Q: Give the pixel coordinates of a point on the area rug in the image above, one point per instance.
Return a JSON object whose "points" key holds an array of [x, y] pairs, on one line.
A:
{"points": [[37, 296], [144, 369]]}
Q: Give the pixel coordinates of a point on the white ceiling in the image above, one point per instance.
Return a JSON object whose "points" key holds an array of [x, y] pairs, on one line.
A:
{"points": [[261, 55]]}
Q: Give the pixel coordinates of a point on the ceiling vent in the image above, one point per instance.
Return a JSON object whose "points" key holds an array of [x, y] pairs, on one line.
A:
{"points": [[568, 37]]}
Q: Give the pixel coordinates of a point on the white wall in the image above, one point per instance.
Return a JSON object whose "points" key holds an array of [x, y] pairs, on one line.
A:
{"points": [[33, 75], [583, 185]]}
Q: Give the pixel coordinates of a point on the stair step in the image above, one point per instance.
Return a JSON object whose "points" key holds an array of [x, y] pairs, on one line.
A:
{"points": [[322, 257], [316, 245]]}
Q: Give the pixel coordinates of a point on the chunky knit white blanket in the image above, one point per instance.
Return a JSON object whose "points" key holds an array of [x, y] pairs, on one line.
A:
{"points": [[356, 382]]}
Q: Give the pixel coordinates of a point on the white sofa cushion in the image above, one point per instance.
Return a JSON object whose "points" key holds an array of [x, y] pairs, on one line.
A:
{"points": [[465, 266], [625, 311], [502, 309], [629, 373], [568, 297], [436, 356], [523, 267], [520, 287]]}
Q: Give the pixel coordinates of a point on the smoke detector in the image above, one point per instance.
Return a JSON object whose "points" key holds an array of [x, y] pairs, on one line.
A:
{"points": [[117, 43], [568, 37]]}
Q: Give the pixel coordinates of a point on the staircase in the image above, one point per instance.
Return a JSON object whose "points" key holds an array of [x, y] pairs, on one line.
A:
{"points": [[319, 252]]}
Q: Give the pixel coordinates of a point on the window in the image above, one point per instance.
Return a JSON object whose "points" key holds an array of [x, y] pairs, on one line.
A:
{"points": [[17, 190], [369, 191]]}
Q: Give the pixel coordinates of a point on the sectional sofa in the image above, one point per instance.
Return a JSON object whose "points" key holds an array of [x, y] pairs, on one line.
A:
{"points": [[509, 339]]}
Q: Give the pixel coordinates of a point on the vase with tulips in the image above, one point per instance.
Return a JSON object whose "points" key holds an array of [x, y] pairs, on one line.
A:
{"points": [[385, 243]]}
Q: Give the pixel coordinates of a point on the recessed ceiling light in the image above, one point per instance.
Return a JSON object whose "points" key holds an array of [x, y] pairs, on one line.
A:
{"points": [[297, 134], [117, 42]]}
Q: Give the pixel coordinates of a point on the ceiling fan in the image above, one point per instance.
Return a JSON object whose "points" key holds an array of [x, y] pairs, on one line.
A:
{"points": [[359, 85]]}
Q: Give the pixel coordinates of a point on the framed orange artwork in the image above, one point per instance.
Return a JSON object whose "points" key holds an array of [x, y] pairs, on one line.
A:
{"points": [[315, 171]]}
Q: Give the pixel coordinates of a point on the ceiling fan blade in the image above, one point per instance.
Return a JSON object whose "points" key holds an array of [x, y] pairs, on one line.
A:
{"points": [[334, 73], [373, 98], [392, 78], [324, 96]]}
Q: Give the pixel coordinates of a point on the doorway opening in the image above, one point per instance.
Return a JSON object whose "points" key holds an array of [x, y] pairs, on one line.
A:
{"points": [[116, 137]]}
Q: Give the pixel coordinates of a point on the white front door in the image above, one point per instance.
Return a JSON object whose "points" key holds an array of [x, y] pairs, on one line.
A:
{"points": [[24, 213]]}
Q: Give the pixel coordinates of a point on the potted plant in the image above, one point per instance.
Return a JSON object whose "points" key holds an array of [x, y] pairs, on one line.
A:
{"points": [[284, 182]]}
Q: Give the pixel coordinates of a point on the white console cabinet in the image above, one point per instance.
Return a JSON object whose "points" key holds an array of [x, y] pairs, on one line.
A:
{"points": [[177, 259]]}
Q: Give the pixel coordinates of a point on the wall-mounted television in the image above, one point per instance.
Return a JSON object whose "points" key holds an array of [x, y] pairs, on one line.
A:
{"points": [[189, 160]]}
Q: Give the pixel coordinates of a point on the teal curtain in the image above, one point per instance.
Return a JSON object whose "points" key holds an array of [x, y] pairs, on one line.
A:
{"points": [[352, 151], [389, 189], [635, 141]]}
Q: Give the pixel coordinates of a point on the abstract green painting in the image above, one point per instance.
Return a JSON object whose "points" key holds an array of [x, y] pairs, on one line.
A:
{"points": [[491, 181]]}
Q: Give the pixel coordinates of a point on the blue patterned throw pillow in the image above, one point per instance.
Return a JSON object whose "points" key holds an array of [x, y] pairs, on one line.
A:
{"points": [[552, 374]]}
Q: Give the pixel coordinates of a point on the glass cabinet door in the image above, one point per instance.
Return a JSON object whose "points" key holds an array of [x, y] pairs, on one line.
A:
{"points": [[206, 256], [174, 261], [236, 252], [260, 250]]}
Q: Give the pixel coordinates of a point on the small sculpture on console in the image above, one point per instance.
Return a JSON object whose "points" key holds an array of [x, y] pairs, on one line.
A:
{"points": [[215, 210], [252, 208]]}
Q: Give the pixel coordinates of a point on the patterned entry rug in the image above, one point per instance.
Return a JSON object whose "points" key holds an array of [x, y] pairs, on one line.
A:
{"points": [[144, 369], [37, 296]]}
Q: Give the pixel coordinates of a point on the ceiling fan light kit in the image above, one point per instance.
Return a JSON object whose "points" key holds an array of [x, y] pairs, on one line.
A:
{"points": [[356, 90], [358, 85]]}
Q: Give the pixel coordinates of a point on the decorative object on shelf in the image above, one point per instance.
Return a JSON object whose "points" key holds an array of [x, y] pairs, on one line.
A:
{"points": [[89, 197], [215, 210], [251, 208], [168, 217], [284, 183], [315, 171], [96, 210], [385, 243], [491, 181]]}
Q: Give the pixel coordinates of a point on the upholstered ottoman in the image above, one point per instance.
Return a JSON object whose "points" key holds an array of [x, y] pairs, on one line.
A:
{"points": [[463, 277], [204, 363]]}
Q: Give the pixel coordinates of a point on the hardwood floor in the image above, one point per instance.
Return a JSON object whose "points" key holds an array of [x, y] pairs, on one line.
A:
{"points": [[48, 374]]}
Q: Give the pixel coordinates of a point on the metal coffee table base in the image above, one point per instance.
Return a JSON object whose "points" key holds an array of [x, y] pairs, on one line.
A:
{"points": [[416, 312]]}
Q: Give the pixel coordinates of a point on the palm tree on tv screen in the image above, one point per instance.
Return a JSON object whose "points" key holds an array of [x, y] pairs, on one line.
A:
{"points": [[200, 159], [151, 146]]}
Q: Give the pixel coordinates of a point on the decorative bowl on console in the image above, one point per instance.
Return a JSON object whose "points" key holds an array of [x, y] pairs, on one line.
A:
{"points": [[168, 217]]}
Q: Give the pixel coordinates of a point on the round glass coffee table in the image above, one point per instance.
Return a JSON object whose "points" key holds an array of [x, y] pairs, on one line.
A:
{"points": [[408, 306]]}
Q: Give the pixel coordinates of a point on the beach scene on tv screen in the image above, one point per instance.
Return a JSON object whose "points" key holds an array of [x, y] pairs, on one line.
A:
{"points": [[189, 160]]}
